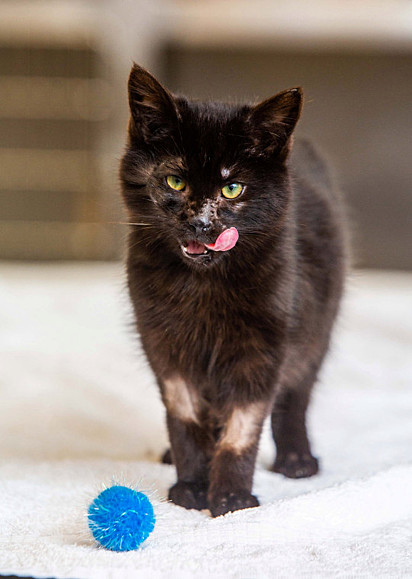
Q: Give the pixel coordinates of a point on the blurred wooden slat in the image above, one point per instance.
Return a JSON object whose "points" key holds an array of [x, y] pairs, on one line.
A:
{"points": [[46, 170], [55, 240], [52, 23], [46, 134], [37, 206], [27, 59], [53, 98]]}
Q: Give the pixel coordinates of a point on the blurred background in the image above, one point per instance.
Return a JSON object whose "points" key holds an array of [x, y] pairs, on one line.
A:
{"points": [[63, 106]]}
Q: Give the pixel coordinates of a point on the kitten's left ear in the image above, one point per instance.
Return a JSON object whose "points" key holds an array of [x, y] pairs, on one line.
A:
{"points": [[272, 122]]}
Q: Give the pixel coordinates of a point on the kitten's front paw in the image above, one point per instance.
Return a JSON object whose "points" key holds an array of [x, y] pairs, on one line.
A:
{"points": [[222, 503], [189, 495], [295, 465]]}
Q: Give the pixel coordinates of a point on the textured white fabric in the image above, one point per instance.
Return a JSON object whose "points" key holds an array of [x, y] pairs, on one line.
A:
{"points": [[79, 408]]}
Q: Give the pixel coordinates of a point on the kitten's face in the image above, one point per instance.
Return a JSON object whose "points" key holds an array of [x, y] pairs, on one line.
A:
{"points": [[196, 170]]}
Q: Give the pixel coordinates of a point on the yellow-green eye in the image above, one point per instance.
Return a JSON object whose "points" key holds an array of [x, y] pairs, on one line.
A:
{"points": [[232, 191], [175, 182]]}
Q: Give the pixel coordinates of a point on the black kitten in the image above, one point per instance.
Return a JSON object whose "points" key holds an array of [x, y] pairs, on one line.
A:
{"points": [[235, 269]]}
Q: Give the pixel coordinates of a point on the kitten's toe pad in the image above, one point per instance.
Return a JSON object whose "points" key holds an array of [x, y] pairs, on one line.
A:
{"points": [[223, 503], [189, 495], [295, 465]]}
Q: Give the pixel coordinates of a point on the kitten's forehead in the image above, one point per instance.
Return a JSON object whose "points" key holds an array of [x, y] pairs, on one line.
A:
{"points": [[211, 134]]}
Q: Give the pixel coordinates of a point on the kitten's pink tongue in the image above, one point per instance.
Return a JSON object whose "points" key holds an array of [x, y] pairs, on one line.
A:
{"points": [[226, 240]]}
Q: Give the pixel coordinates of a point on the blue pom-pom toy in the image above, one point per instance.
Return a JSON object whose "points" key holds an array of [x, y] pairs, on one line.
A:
{"points": [[121, 518]]}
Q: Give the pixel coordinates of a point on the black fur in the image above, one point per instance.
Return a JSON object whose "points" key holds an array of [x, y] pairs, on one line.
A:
{"points": [[246, 329]]}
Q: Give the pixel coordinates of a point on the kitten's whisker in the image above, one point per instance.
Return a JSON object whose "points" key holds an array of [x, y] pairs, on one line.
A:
{"points": [[128, 223]]}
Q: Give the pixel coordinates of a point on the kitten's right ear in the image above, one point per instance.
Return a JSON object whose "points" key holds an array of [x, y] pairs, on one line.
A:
{"points": [[272, 122], [153, 110]]}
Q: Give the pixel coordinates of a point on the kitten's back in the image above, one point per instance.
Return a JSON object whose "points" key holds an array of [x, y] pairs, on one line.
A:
{"points": [[307, 163]]}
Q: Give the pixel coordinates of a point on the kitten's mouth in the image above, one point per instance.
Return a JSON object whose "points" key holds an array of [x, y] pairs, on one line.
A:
{"points": [[226, 240], [195, 249]]}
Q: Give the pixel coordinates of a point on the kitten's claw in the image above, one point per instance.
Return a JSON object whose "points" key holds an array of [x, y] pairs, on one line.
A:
{"points": [[189, 495], [223, 503], [295, 465]]}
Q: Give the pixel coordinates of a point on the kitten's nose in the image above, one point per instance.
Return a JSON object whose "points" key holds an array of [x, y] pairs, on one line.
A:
{"points": [[200, 225]]}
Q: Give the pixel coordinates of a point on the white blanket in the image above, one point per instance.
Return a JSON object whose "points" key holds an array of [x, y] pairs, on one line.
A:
{"points": [[79, 408]]}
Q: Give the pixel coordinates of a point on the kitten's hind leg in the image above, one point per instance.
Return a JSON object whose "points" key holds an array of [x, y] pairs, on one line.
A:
{"points": [[293, 456]]}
